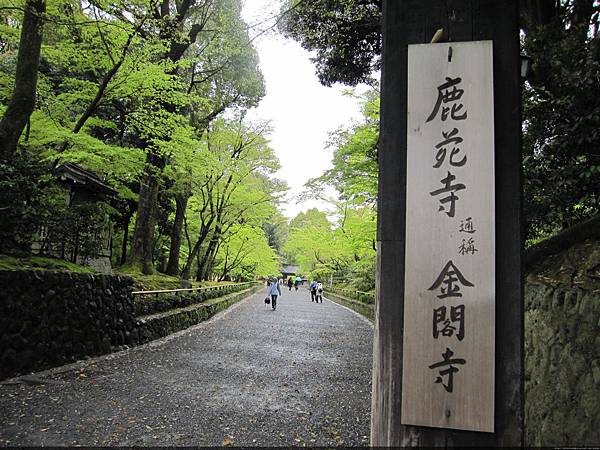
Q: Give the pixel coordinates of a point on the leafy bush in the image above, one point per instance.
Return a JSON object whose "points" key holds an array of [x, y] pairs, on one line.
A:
{"points": [[32, 202], [27, 195], [76, 231]]}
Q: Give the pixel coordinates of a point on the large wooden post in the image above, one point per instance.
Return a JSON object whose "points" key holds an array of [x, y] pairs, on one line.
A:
{"points": [[413, 22]]}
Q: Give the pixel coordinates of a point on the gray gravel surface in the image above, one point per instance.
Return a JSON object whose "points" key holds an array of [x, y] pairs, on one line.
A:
{"points": [[300, 375]]}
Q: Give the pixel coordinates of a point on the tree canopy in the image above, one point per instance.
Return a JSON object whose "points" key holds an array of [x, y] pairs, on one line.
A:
{"points": [[345, 34], [341, 248], [151, 97], [561, 115]]}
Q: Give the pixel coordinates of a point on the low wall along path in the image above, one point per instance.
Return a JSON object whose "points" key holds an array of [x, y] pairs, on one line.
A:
{"points": [[52, 318]]}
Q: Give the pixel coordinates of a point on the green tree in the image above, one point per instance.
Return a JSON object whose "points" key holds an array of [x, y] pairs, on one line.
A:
{"points": [[234, 185], [355, 149], [562, 116], [22, 100], [223, 75], [245, 254], [561, 101], [342, 250], [276, 228], [344, 34], [133, 91]]}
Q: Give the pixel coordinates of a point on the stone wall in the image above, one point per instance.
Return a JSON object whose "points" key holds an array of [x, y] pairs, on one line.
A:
{"points": [[562, 365], [155, 326], [366, 309], [151, 304], [52, 318], [48, 319]]}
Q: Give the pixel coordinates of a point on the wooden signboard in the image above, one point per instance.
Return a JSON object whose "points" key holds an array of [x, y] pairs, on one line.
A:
{"points": [[449, 323]]}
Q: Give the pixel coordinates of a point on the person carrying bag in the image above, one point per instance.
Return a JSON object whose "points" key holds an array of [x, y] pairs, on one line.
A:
{"points": [[274, 291]]}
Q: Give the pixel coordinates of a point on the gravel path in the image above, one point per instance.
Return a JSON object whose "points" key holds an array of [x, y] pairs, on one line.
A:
{"points": [[300, 375]]}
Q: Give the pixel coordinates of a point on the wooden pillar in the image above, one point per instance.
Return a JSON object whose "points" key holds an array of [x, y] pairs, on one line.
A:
{"points": [[411, 22]]}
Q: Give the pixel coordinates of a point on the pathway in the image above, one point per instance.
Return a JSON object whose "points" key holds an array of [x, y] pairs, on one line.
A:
{"points": [[299, 375]]}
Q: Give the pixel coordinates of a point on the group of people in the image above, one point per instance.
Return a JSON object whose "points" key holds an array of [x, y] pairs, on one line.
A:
{"points": [[274, 290], [316, 291], [295, 282]]}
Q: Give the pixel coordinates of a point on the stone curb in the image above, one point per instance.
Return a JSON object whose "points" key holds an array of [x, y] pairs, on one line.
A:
{"points": [[351, 304], [162, 324]]}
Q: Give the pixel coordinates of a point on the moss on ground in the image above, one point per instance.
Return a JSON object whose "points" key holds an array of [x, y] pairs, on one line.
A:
{"points": [[152, 282], [40, 263], [142, 282], [160, 281], [578, 266]]}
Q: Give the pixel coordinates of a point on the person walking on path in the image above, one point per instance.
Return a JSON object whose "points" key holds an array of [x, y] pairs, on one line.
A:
{"points": [[313, 290], [274, 290], [290, 283], [319, 292], [297, 282]]}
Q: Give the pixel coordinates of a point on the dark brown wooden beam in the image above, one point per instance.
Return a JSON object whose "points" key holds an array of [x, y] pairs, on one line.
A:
{"points": [[412, 22]]}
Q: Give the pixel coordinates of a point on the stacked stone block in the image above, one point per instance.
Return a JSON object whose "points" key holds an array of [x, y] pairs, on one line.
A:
{"points": [[51, 318]]}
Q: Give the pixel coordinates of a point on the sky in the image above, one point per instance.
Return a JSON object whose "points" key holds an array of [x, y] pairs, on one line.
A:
{"points": [[301, 111]]}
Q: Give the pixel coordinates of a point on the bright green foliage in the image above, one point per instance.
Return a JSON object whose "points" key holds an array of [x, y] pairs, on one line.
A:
{"points": [[120, 166], [343, 251], [245, 254], [233, 190], [354, 173], [311, 244], [120, 81]]}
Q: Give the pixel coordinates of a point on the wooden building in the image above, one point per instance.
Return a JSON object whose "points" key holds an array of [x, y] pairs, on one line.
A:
{"points": [[80, 186]]}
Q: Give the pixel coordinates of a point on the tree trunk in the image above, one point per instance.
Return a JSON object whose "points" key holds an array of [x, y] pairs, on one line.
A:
{"points": [[143, 234], [175, 247], [226, 269], [123, 258], [22, 101], [205, 263], [185, 273], [187, 268], [91, 109]]}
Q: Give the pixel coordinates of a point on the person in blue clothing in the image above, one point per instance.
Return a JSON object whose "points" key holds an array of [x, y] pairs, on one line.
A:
{"points": [[313, 290], [274, 290], [297, 282]]}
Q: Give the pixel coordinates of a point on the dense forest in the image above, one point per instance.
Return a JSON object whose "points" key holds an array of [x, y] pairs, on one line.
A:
{"points": [[152, 96], [561, 122]]}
